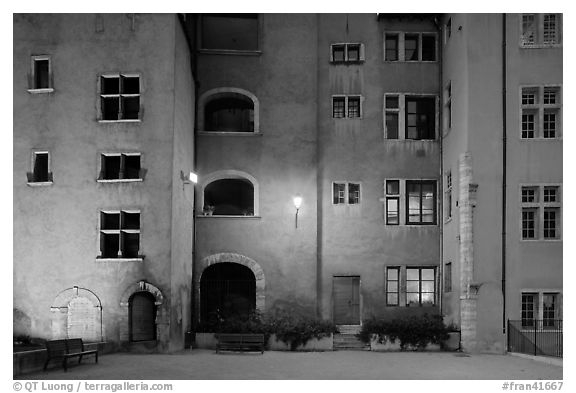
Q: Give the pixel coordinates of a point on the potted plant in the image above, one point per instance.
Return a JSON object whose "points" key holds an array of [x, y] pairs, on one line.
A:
{"points": [[208, 210]]}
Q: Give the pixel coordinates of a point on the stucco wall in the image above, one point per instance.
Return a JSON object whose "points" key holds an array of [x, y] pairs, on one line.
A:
{"points": [[56, 227]]}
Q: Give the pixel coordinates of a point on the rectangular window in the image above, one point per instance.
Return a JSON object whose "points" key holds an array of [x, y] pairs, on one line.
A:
{"points": [[339, 193], [345, 193], [409, 46], [420, 119], [540, 108], [40, 74], [392, 202], [347, 107], [420, 287], [541, 212], [353, 193], [539, 30], [529, 312], [529, 223], [119, 234], [347, 53], [550, 309], [421, 202], [448, 277], [391, 44], [229, 32], [120, 97], [409, 116], [120, 166], [448, 105], [40, 168], [392, 286], [448, 196]]}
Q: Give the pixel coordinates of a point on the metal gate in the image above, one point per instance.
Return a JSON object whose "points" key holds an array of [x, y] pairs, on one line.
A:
{"points": [[536, 337]]}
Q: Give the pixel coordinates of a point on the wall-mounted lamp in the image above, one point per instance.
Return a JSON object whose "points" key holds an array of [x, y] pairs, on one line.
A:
{"points": [[297, 204], [190, 178]]}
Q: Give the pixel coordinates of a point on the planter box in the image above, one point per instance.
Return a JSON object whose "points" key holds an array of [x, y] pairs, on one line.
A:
{"points": [[452, 343], [388, 346], [314, 344], [205, 341]]}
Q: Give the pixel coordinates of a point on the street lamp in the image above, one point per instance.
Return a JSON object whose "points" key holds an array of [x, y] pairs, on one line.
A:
{"points": [[297, 204]]}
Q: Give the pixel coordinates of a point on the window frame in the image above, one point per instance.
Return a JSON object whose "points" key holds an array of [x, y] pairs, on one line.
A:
{"points": [[347, 193], [234, 52], [539, 31], [434, 202], [120, 95], [420, 280], [539, 311], [401, 50], [387, 290], [539, 109], [120, 179], [347, 107], [119, 232], [32, 75], [31, 178], [392, 196], [401, 111], [540, 207], [346, 46]]}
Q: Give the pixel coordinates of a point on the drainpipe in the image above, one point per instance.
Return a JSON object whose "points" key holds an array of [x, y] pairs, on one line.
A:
{"points": [[504, 173], [440, 190]]}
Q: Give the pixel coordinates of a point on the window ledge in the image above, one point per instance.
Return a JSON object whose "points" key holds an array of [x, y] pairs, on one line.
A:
{"points": [[119, 180], [540, 139], [40, 91], [40, 183], [411, 61], [539, 46], [120, 121], [235, 52], [229, 133], [140, 259], [541, 240], [234, 217]]}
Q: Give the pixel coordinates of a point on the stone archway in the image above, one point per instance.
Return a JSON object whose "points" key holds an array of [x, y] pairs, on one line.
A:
{"points": [[77, 312], [162, 315], [232, 258]]}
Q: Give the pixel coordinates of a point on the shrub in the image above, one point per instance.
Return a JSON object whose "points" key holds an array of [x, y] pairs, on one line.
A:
{"points": [[414, 331], [296, 330]]}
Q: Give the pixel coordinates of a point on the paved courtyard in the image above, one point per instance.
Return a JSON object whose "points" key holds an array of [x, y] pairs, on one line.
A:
{"points": [[205, 364]]}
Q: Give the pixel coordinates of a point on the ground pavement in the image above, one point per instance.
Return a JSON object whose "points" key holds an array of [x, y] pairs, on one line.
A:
{"points": [[205, 364]]}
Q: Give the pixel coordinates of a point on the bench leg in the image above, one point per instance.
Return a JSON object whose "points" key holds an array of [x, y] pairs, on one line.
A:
{"points": [[65, 364], [79, 359], [96, 357], [46, 364]]}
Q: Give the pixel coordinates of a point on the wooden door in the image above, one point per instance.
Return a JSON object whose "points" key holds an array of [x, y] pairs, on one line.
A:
{"points": [[346, 294], [142, 317]]}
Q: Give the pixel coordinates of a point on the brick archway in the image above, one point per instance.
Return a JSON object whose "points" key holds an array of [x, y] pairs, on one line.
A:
{"points": [[233, 258]]}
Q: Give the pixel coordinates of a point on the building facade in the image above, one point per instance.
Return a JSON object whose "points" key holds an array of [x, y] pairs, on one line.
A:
{"points": [[350, 166]]}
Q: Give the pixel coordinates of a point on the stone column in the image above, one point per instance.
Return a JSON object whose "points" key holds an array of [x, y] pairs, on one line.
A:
{"points": [[468, 289]]}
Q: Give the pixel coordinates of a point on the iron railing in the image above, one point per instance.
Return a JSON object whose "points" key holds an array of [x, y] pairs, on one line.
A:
{"points": [[536, 337]]}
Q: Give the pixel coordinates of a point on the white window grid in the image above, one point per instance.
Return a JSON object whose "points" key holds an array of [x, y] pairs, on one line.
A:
{"points": [[346, 193], [121, 177], [121, 96], [120, 232], [348, 49], [392, 201], [540, 30], [401, 197], [401, 54], [352, 108], [540, 212], [401, 112], [533, 306], [540, 112], [32, 85]]}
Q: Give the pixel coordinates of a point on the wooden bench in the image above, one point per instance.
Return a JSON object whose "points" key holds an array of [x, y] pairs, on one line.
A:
{"points": [[66, 349], [240, 342]]}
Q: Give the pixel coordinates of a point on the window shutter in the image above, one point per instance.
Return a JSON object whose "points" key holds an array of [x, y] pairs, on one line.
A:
{"points": [[362, 57], [331, 54]]}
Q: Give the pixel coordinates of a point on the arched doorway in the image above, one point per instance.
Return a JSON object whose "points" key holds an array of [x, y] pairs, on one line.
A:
{"points": [[227, 289], [142, 318]]}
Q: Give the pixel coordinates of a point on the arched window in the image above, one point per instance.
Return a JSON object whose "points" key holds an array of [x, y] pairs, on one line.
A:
{"points": [[230, 193], [228, 110]]}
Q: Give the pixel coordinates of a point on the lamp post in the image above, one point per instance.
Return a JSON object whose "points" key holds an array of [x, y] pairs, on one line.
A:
{"points": [[297, 204]]}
